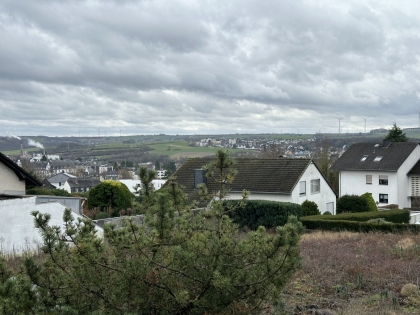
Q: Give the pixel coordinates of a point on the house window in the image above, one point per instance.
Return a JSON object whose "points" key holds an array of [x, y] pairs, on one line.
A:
{"points": [[377, 159], [369, 179], [383, 198], [59, 184], [330, 207], [315, 186], [302, 188], [383, 179], [364, 158]]}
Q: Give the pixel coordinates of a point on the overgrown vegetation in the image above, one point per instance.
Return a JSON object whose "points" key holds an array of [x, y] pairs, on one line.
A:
{"points": [[180, 262]]}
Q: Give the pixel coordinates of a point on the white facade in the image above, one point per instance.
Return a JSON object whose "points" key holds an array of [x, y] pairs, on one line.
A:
{"points": [[17, 229], [311, 186], [10, 183], [397, 190]]}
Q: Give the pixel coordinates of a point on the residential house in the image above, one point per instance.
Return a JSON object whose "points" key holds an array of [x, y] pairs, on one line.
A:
{"points": [[59, 181], [71, 183], [74, 185], [279, 179], [390, 171], [14, 179]]}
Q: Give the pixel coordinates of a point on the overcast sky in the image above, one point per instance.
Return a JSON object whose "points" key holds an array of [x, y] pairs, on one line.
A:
{"points": [[207, 66]]}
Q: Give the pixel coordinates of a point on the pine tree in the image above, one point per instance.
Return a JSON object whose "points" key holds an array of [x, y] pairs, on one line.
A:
{"points": [[396, 134], [193, 262]]}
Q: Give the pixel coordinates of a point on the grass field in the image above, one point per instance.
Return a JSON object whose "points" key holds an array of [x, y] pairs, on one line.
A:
{"points": [[181, 149]]}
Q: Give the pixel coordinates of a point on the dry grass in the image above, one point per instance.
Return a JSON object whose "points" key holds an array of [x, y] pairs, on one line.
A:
{"points": [[355, 273]]}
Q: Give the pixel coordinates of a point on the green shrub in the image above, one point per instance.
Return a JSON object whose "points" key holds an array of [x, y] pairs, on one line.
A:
{"points": [[309, 208], [39, 191], [265, 213], [394, 216], [327, 213], [47, 192], [385, 221], [370, 201], [352, 203], [341, 225], [110, 196], [60, 192], [101, 215]]}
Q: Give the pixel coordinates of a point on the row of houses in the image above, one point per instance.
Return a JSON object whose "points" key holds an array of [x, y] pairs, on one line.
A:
{"points": [[389, 171]]}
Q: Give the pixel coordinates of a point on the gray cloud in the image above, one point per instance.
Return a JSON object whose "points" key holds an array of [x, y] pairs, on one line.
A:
{"points": [[207, 67]]}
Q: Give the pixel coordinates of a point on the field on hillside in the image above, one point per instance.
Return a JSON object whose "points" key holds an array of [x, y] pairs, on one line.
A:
{"points": [[182, 149], [355, 273]]}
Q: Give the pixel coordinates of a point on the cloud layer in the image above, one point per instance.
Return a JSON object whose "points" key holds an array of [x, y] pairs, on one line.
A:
{"points": [[182, 67]]}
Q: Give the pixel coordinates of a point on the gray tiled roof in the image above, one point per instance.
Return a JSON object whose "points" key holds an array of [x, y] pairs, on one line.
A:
{"points": [[393, 156], [255, 175], [82, 183]]}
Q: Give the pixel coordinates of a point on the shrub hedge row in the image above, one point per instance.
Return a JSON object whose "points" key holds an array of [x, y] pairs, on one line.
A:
{"points": [[394, 216], [341, 225], [396, 221], [262, 212]]}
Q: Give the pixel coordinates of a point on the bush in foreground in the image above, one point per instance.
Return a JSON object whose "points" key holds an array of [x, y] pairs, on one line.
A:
{"points": [[191, 263]]}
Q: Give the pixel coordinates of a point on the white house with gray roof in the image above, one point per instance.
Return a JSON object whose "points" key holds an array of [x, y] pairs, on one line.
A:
{"points": [[390, 171]]}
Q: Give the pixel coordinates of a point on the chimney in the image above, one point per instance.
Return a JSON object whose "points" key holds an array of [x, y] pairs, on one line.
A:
{"points": [[386, 143]]}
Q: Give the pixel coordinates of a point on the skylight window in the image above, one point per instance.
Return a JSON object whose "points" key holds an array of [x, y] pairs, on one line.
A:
{"points": [[377, 159], [364, 158]]}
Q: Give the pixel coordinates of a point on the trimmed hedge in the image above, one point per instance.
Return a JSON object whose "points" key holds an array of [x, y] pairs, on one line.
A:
{"points": [[48, 192], [394, 216], [352, 203], [265, 213], [396, 221], [341, 225]]}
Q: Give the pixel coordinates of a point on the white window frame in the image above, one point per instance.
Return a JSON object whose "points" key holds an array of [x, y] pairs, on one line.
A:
{"points": [[383, 179], [315, 186], [302, 188], [369, 179]]}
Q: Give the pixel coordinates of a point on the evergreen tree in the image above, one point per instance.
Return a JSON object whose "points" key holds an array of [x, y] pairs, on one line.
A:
{"points": [[396, 134], [191, 263]]}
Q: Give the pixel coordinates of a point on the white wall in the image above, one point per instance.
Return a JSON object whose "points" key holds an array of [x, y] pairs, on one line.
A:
{"points": [[17, 229], [325, 195], [398, 188], [9, 182], [404, 189], [354, 183]]}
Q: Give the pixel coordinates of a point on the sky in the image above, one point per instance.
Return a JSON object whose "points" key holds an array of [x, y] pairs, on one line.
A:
{"points": [[208, 66]]}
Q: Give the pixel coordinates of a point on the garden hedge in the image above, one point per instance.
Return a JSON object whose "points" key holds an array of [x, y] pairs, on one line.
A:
{"points": [[394, 216], [265, 213], [396, 221], [341, 225]]}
